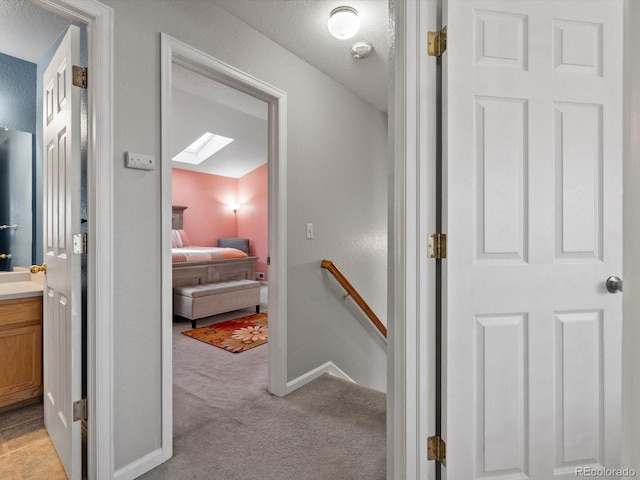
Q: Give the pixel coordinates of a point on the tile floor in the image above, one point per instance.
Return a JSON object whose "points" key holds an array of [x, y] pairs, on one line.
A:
{"points": [[26, 451]]}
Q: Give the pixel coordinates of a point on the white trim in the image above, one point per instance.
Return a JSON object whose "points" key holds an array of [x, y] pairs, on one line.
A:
{"points": [[631, 249], [166, 274], [329, 367], [175, 51], [411, 356], [98, 19], [140, 466]]}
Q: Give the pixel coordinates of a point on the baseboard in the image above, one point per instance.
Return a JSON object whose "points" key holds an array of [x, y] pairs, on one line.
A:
{"points": [[140, 466], [310, 376]]}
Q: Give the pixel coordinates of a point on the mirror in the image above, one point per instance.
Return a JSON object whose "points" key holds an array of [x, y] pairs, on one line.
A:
{"points": [[16, 199]]}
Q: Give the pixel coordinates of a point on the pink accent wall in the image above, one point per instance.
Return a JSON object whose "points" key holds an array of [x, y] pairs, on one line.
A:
{"points": [[209, 217], [253, 216]]}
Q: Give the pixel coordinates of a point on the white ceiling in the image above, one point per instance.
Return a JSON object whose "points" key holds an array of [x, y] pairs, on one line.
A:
{"points": [[203, 105], [27, 31], [300, 26]]}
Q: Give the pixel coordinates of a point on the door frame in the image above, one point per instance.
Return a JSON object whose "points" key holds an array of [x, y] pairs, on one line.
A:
{"points": [[98, 19], [411, 360], [175, 51]]}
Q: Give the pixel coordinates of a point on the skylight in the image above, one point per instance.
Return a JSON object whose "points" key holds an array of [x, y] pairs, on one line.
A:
{"points": [[205, 146]]}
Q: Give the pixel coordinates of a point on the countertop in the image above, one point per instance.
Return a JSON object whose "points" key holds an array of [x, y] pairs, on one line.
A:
{"points": [[20, 284], [13, 290]]}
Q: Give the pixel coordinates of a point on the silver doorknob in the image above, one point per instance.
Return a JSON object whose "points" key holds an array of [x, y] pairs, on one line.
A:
{"points": [[614, 284]]}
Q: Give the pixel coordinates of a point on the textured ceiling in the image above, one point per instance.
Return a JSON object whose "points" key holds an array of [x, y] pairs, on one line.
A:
{"points": [[203, 105], [300, 26], [27, 31]]}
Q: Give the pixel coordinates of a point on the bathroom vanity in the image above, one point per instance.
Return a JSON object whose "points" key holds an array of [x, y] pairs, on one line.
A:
{"points": [[20, 338]]}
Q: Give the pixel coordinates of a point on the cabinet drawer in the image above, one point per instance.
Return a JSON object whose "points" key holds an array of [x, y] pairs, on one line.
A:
{"points": [[20, 310]]}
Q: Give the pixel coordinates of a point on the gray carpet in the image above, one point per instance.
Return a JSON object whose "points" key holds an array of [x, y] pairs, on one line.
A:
{"points": [[227, 427]]}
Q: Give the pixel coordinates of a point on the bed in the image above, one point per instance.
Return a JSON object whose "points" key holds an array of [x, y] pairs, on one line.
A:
{"points": [[194, 265]]}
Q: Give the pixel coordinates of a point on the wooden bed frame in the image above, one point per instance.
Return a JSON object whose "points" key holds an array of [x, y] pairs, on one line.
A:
{"points": [[195, 273]]}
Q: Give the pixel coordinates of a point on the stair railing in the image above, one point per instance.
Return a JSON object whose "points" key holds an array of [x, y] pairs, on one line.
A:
{"points": [[342, 280]]}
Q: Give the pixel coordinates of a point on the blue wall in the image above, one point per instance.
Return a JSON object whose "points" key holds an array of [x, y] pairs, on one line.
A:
{"points": [[17, 94]]}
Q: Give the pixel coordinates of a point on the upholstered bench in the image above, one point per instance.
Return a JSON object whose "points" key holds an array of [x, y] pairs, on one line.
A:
{"points": [[199, 301]]}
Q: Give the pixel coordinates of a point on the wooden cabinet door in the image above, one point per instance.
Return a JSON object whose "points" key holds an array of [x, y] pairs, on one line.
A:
{"points": [[20, 350]]}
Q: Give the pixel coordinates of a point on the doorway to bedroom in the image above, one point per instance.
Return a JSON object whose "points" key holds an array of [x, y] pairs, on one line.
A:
{"points": [[220, 231], [219, 150], [223, 234]]}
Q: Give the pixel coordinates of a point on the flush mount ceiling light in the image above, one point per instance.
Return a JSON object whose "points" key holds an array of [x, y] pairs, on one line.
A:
{"points": [[344, 22]]}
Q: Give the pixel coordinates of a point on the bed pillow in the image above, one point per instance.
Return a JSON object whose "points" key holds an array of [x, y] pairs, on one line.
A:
{"points": [[184, 238], [176, 239]]}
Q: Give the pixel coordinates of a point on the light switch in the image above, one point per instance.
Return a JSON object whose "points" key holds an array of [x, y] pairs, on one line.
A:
{"points": [[309, 231]]}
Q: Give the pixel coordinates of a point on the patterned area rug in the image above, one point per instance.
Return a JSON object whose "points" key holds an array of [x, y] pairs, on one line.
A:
{"points": [[235, 336]]}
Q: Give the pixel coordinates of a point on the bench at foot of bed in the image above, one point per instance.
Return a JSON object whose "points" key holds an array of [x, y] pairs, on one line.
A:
{"points": [[199, 301]]}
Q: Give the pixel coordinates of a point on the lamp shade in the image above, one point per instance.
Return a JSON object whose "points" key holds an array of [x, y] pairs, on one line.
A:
{"points": [[344, 22]]}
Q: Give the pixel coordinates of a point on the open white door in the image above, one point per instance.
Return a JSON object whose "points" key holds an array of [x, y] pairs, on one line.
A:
{"points": [[533, 203], [62, 298]]}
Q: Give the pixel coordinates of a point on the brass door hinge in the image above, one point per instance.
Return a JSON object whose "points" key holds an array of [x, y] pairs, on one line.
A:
{"points": [[79, 243], [80, 410], [437, 450], [437, 43], [80, 76], [438, 245]]}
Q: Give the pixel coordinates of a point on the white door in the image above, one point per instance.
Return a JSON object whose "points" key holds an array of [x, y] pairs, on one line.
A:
{"points": [[533, 202], [62, 298]]}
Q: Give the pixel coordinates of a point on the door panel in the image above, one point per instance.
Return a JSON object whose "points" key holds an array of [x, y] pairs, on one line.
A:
{"points": [[579, 377], [532, 145], [62, 299]]}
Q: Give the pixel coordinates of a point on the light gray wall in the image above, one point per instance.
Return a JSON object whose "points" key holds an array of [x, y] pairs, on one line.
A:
{"points": [[337, 179], [631, 351]]}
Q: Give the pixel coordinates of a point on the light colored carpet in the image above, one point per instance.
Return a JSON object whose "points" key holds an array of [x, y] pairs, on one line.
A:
{"points": [[227, 427]]}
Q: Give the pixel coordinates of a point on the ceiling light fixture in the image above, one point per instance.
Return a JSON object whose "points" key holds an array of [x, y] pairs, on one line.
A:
{"points": [[343, 22]]}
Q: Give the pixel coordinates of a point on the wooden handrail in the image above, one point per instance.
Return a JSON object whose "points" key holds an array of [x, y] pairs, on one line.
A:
{"points": [[328, 264]]}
